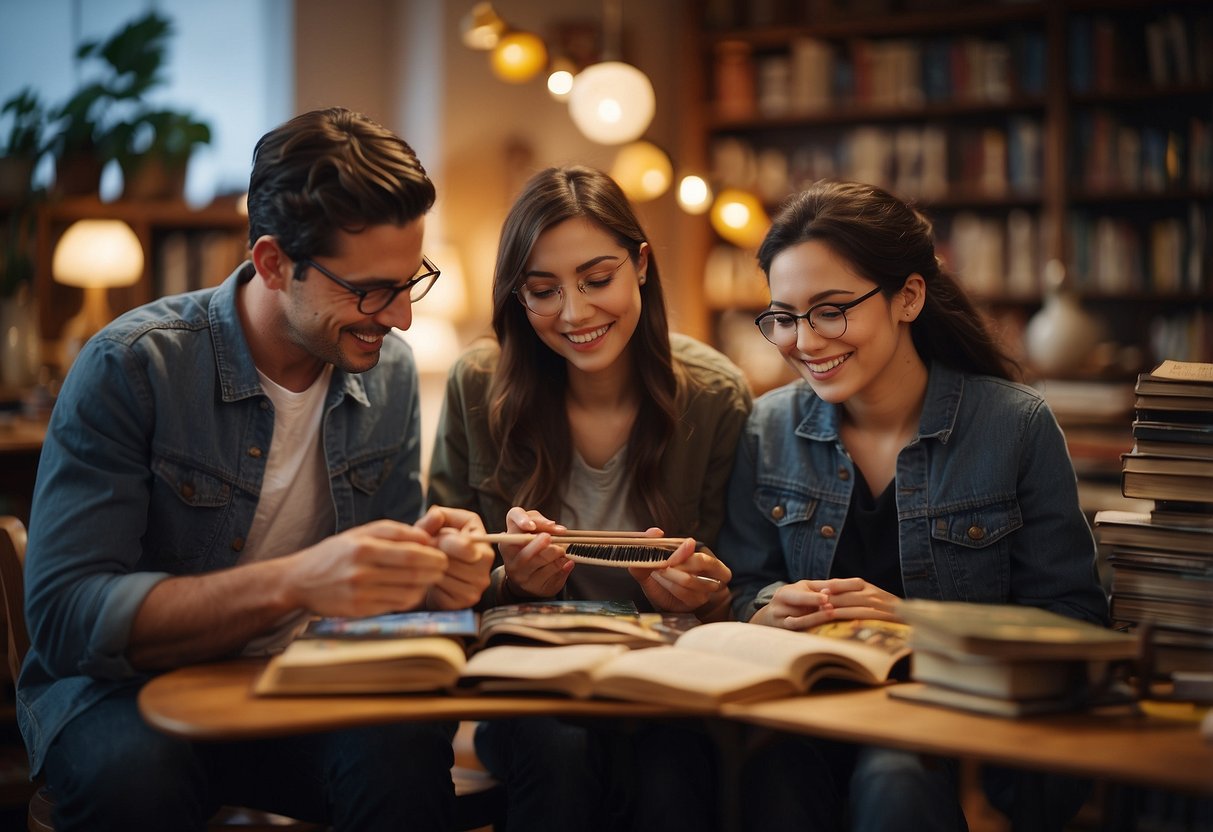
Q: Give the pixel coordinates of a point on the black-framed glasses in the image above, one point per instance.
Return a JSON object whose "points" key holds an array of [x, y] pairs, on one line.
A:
{"points": [[545, 296], [829, 320], [371, 301]]}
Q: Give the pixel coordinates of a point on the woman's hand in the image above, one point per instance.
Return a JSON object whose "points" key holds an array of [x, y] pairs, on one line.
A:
{"points": [[692, 580], [538, 569], [806, 604]]}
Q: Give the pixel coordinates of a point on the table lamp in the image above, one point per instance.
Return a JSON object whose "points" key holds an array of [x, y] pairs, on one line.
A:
{"points": [[94, 255]]}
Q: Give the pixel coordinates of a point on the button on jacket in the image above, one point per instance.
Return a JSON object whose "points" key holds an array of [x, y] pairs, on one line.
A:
{"points": [[152, 467], [987, 500]]}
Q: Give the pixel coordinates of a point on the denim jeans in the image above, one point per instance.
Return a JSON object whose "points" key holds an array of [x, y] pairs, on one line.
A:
{"points": [[802, 784], [564, 776], [108, 769]]}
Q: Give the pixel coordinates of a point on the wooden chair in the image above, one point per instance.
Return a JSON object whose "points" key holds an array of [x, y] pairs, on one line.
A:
{"points": [[479, 799]]}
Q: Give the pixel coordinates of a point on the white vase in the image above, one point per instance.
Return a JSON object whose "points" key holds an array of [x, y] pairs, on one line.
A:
{"points": [[1062, 335], [20, 344]]}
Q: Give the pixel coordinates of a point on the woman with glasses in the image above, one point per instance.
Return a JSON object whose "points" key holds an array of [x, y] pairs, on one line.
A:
{"points": [[586, 412], [906, 463]]}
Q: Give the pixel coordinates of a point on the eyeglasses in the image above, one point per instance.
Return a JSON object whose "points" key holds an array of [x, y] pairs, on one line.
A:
{"points": [[829, 320], [371, 301], [545, 296]]}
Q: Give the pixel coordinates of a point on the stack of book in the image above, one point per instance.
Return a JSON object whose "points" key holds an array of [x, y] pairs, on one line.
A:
{"points": [[1009, 660], [1162, 561]]}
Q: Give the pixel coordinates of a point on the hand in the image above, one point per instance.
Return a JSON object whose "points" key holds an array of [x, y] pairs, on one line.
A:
{"points": [[692, 580], [539, 568], [468, 564], [367, 570], [806, 604]]}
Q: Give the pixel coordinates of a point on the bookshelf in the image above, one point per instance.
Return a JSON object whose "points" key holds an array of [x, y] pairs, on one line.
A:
{"points": [[184, 248], [1073, 130]]}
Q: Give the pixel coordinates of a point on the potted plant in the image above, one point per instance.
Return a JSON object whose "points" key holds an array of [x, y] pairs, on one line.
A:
{"points": [[87, 125], [154, 149], [23, 144]]}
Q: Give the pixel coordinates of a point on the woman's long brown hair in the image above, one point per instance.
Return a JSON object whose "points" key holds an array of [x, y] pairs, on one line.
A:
{"points": [[528, 418]]}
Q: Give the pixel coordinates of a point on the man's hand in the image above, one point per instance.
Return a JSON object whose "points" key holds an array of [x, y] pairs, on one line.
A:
{"points": [[367, 570], [468, 564]]}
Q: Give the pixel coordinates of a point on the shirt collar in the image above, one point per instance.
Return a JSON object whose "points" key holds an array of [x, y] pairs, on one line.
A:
{"points": [[237, 373], [945, 387]]}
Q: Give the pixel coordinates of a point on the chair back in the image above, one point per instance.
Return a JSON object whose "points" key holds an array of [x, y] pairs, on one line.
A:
{"points": [[12, 581]]}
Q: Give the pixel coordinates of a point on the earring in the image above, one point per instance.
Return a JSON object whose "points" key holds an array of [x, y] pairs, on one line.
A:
{"points": [[643, 277]]}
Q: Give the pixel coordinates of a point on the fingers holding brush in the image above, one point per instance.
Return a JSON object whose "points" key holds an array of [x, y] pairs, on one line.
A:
{"points": [[691, 580], [537, 568]]}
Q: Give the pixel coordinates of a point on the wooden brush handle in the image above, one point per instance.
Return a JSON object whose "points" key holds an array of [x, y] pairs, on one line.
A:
{"points": [[630, 539]]}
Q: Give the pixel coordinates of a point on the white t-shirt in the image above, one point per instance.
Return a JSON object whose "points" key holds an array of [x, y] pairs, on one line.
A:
{"points": [[295, 508]]}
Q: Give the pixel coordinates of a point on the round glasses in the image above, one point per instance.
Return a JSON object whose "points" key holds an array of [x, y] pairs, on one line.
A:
{"points": [[373, 300], [829, 320], [545, 296]]}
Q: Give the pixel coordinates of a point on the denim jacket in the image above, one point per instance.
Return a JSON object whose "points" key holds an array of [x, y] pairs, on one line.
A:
{"points": [[152, 466], [987, 500]]}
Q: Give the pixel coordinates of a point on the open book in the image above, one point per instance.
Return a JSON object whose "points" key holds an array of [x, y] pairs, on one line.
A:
{"points": [[708, 665], [425, 651]]}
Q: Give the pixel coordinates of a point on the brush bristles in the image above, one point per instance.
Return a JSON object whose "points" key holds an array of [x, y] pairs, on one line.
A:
{"points": [[631, 554]]}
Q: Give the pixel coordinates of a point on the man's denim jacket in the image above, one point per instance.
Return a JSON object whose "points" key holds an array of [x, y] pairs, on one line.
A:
{"points": [[987, 500], [152, 467]]}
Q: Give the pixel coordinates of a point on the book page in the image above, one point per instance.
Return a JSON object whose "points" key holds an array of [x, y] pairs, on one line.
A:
{"points": [[796, 653], [671, 675], [1184, 371], [565, 668]]}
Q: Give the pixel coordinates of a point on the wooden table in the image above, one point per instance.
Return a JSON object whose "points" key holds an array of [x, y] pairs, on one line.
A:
{"points": [[215, 702], [1120, 746]]}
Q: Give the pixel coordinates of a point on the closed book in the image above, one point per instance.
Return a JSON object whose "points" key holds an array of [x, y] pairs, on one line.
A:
{"points": [[1026, 679], [991, 705], [1162, 486], [1010, 631], [1163, 464], [1135, 529]]}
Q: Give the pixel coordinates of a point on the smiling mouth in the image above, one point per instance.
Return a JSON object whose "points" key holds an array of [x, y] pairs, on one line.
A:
{"points": [[367, 338], [829, 365], [587, 337]]}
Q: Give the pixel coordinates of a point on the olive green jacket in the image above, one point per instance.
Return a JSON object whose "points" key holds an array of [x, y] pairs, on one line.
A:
{"points": [[695, 469]]}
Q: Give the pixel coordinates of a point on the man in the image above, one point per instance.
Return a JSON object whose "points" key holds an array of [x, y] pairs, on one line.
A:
{"points": [[202, 452]]}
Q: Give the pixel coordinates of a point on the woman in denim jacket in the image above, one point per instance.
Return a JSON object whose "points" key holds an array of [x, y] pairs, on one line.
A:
{"points": [[905, 463]]}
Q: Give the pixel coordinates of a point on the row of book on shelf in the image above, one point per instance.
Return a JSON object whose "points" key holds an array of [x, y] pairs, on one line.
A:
{"points": [[1162, 560], [816, 75], [1169, 50], [917, 161], [1167, 255], [1110, 153]]}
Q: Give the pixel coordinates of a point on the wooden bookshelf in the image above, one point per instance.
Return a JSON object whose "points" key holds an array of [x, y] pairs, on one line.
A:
{"points": [[1087, 136], [214, 239]]}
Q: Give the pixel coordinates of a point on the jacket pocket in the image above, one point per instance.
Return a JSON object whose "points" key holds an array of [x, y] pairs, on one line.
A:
{"points": [[974, 546], [783, 508], [189, 507], [369, 473]]}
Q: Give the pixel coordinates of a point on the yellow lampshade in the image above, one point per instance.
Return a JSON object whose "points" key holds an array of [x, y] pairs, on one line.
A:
{"points": [[694, 194], [738, 216], [98, 253], [612, 102], [642, 170], [95, 255], [518, 57]]}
